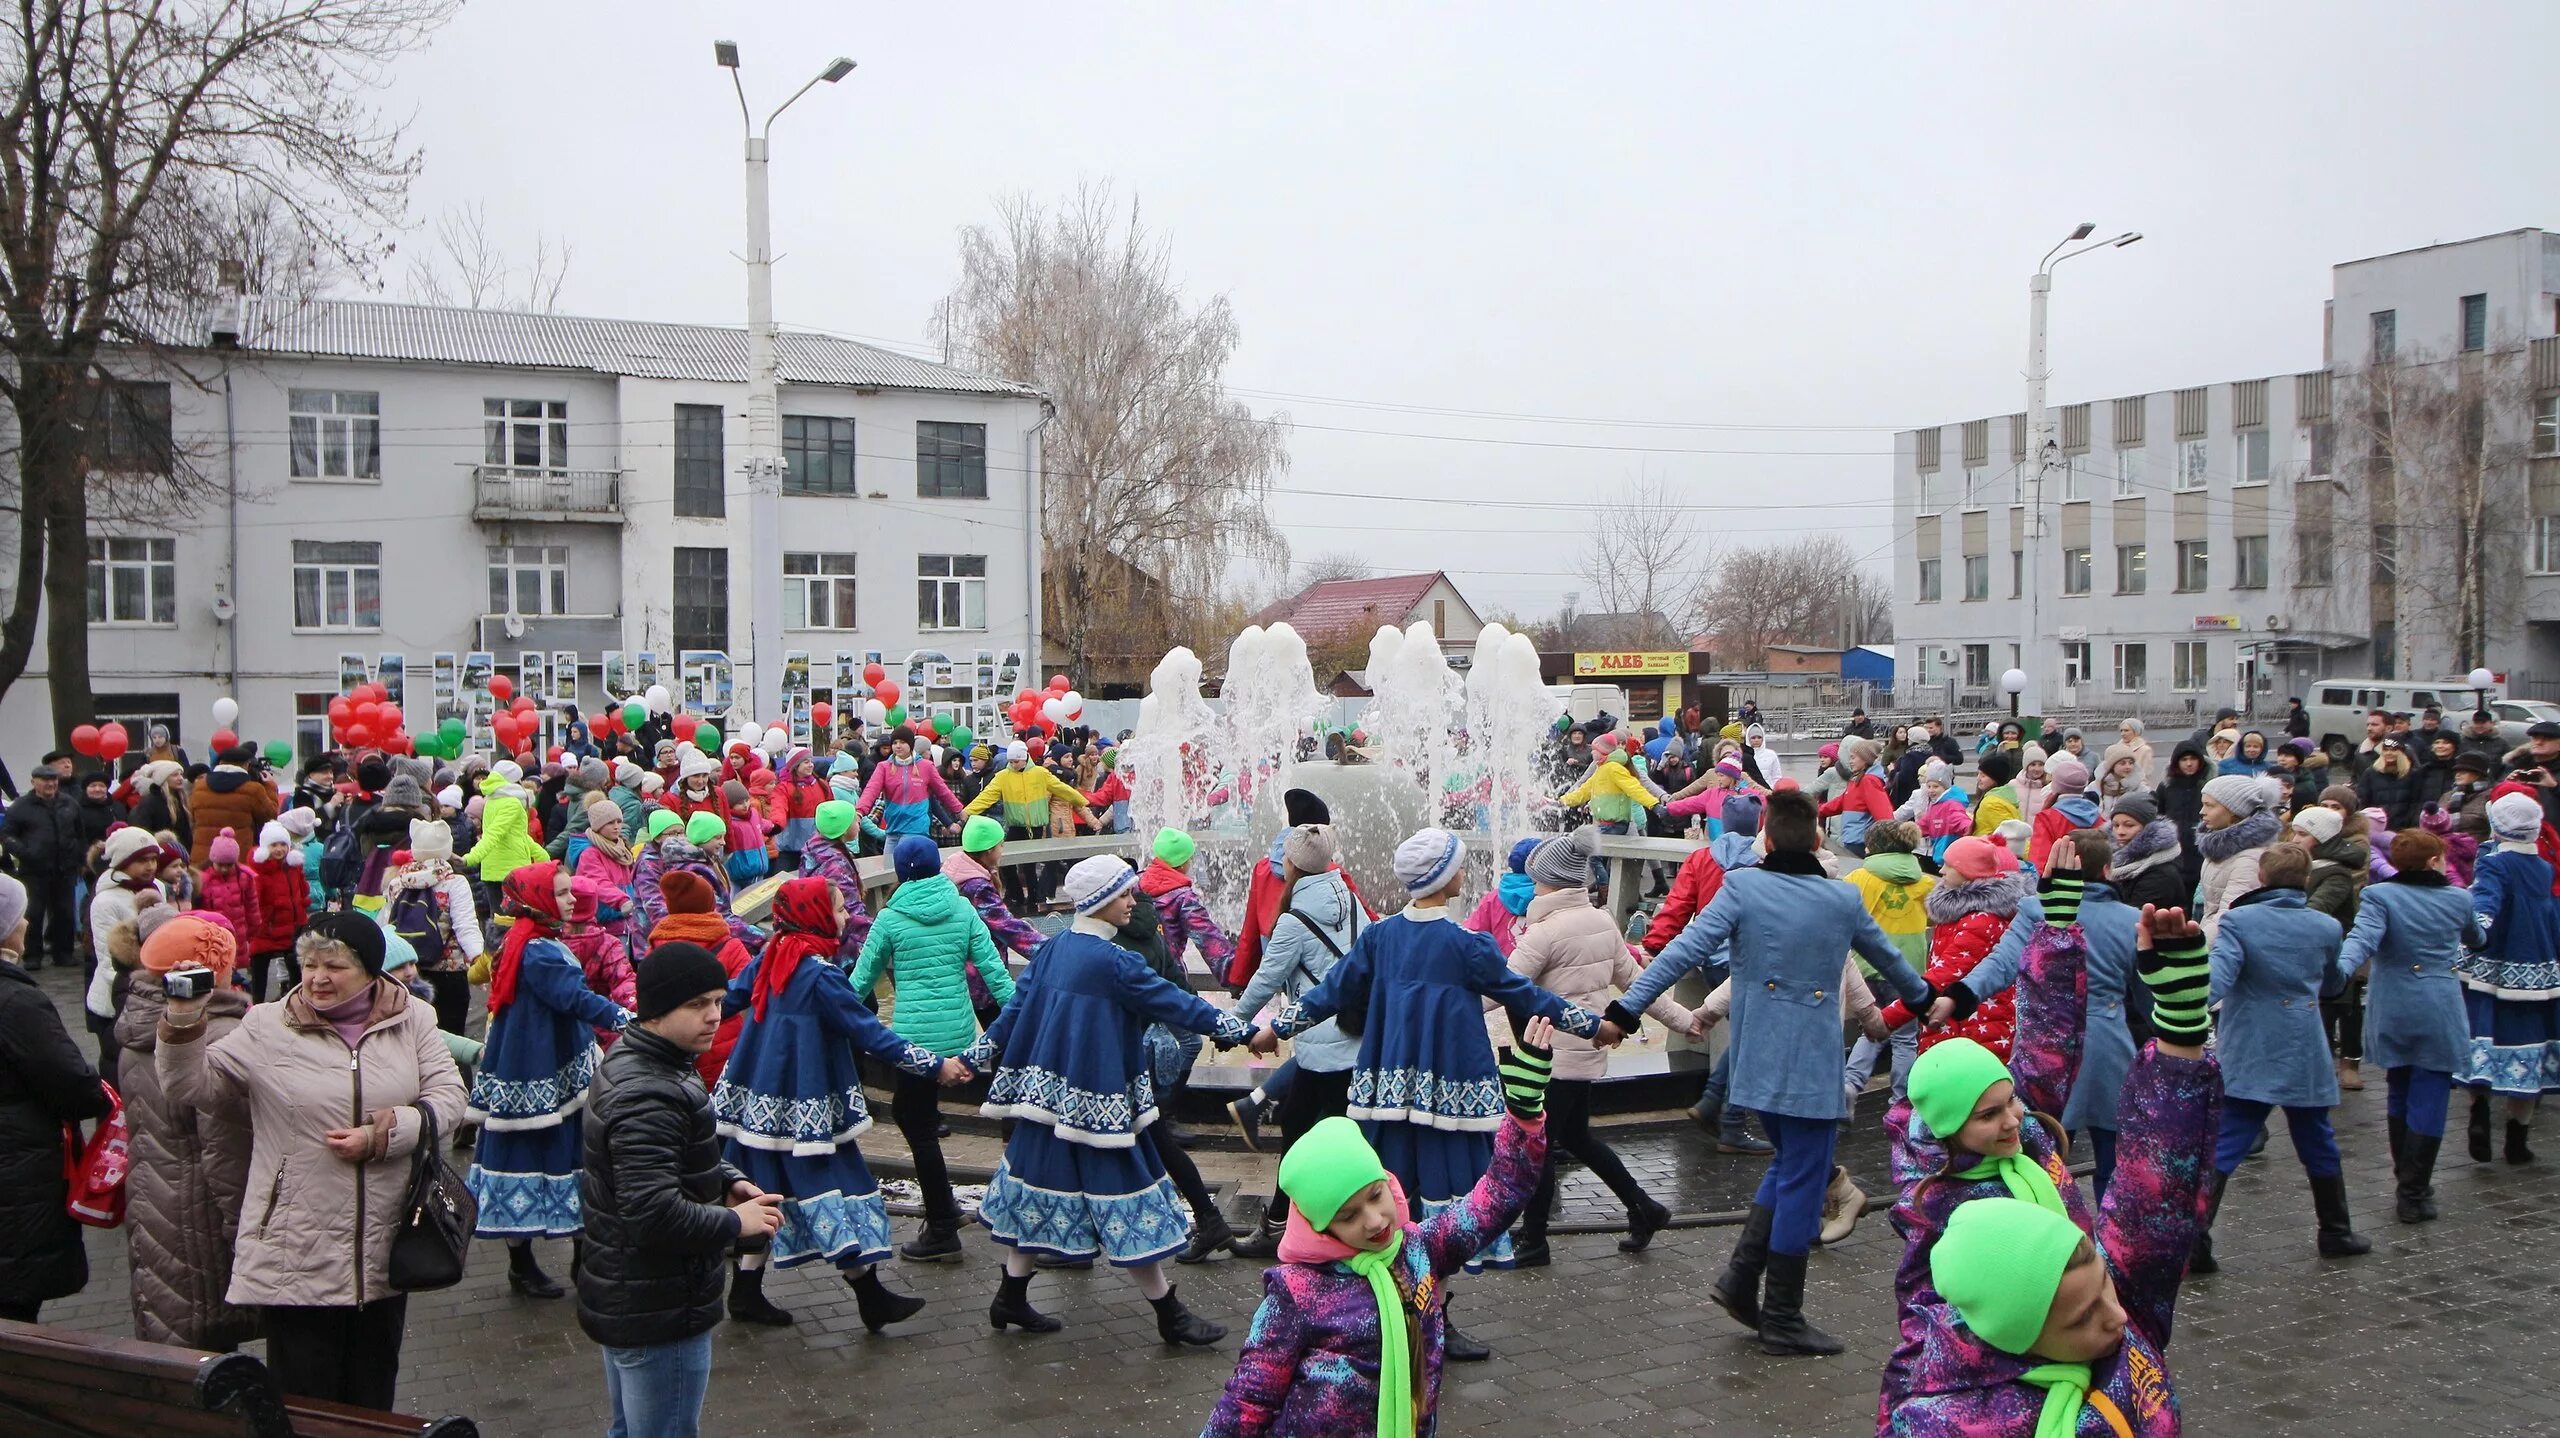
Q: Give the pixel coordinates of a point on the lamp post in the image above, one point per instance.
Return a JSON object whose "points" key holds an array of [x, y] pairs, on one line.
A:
{"points": [[764, 399], [2040, 442], [2012, 682]]}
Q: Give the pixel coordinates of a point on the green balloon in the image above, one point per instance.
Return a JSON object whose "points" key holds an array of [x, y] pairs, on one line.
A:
{"points": [[942, 725], [279, 753], [449, 731], [897, 716], [706, 737], [963, 737], [636, 713]]}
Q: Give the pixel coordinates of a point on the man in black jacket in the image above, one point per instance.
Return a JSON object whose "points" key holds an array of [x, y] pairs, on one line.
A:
{"points": [[662, 1209], [42, 836]]}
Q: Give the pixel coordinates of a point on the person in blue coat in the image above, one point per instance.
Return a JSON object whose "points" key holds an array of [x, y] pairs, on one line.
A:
{"points": [[532, 1081], [2273, 959], [1081, 1175], [1425, 1088], [1787, 924], [789, 1104], [2511, 987], [2412, 928], [2108, 927]]}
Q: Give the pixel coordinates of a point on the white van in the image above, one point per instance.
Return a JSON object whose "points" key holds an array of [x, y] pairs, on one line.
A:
{"points": [[2338, 706], [1586, 702]]}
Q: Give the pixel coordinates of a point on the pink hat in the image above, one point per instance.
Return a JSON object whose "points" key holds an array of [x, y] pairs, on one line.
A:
{"points": [[1830, 751], [1974, 858], [225, 848]]}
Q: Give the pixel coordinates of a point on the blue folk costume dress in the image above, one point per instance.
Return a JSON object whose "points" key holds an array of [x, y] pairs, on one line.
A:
{"points": [[531, 1086], [1080, 1176], [790, 1102], [2511, 987], [1425, 1089]]}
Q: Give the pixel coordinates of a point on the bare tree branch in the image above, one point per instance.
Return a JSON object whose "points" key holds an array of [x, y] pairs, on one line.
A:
{"points": [[467, 267], [1802, 591], [1641, 560]]}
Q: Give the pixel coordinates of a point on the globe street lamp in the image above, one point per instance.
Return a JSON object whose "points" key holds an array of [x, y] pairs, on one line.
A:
{"points": [[2012, 683]]}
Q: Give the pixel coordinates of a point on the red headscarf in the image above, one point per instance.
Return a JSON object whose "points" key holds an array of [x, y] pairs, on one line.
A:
{"points": [[2547, 843], [804, 927], [536, 905]]}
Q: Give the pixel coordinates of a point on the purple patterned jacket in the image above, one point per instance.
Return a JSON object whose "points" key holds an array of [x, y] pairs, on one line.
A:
{"points": [[1309, 1368], [1958, 1387], [830, 860]]}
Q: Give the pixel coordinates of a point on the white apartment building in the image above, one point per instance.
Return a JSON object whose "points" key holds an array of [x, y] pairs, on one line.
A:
{"points": [[2232, 542], [447, 492]]}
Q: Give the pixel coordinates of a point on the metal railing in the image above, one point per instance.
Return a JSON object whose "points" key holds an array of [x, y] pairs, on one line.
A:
{"points": [[512, 492]]}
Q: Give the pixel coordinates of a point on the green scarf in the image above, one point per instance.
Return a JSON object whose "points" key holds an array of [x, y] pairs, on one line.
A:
{"points": [[2025, 1179], [1395, 1349], [2066, 1392]]}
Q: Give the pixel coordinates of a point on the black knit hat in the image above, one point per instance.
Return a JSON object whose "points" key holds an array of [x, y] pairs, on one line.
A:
{"points": [[674, 975], [1303, 807], [361, 935]]}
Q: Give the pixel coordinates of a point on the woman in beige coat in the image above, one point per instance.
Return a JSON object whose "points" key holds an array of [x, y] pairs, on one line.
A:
{"points": [[332, 1081], [189, 1168], [1573, 950]]}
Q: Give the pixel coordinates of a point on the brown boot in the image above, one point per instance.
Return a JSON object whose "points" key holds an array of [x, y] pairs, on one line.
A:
{"points": [[2348, 1078]]}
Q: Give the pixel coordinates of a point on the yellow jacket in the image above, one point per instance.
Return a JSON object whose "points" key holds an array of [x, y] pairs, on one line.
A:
{"points": [[1608, 789], [1025, 794], [1996, 807]]}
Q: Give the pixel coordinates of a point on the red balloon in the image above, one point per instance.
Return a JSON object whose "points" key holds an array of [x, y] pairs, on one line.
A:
{"points": [[1036, 748], [823, 715], [221, 739], [501, 686], [556, 752], [1025, 696], [355, 736], [872, 674], [399, 744], [887, 694], [84, 739], [504, 729], [112, 742], [390, 717], [342, 711], [1060, 684], [523, 704], [684, 726]]}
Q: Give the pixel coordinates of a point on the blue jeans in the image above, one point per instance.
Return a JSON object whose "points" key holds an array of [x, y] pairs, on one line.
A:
{"points": [[2314, 1141], [2418, 1098], [657, 1390], [1600, 866], [2102, 1148], [1862, 1059], [1798, 1174]]}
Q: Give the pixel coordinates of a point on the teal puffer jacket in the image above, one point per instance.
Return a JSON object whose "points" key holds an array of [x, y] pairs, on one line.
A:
{"points": [[922, 942]]}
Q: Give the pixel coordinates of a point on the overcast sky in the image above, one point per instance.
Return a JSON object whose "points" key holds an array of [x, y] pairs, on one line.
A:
{"points": [[1769, 239]]}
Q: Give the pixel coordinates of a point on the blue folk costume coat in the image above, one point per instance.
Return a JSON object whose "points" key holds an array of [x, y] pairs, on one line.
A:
{"points": [[790, 1105], [2413, 927], [2511, 987], [531, 1085], [1425, 1089], [2107, 927], [2272, 958], [1080, 1175]]}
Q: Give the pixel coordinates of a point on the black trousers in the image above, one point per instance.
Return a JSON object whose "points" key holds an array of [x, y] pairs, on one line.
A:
{"points": [[1185, 1175], [1312, 1098], [19, 1310], [2343, 1018], [343, 1355], [53, 918], [1569, 1128], [915, 1103], [258, 965], [453, 997]]}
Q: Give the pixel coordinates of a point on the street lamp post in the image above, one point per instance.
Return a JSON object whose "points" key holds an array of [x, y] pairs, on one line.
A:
{"points": [[2042, 451], [2012, 681], [764, 398]]}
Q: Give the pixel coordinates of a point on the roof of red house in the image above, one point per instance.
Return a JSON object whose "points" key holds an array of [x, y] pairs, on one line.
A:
{"points": [[1338, 606]]}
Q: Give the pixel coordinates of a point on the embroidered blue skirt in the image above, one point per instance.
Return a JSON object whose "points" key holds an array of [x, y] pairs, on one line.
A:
{"points": [[526, 1180], [1072, 1200], [2515, 1044], [1439, 1168], [831, 1205]]}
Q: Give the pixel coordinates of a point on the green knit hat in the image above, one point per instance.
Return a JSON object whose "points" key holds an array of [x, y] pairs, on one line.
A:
{"points": [[1999, 1263], [980, 834], [835, 818], [1326, 1166], [1175, 847], [704, 827], [1949, 1080], [660, 821]]}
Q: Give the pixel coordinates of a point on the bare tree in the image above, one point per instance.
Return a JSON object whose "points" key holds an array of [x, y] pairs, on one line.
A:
{"points": [[1150, 465], [466, 266], [1336, 564], [122, 124], [1808, 590], [1641, 559]]}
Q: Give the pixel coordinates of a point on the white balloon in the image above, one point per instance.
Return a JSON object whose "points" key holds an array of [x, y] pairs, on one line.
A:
{"points": [[875, 713], [776, 740], [226, 712], [1072, 703], [658, 698], [750, 734], [1054, 711]]}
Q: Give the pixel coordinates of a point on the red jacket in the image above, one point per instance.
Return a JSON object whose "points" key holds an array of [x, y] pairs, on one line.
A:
{"points": [[1264, 902], [733, 957], [284, 901], [234, 896], [1692, 890], [2051, 824], [1954, 948], [802, 797], [1866, 792]]}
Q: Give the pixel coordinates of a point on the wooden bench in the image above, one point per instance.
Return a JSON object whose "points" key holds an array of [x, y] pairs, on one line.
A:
{"points": [[61, 1383]]}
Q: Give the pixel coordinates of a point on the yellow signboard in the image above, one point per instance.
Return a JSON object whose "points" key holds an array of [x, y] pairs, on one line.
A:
{"points": [[1614, 665]]}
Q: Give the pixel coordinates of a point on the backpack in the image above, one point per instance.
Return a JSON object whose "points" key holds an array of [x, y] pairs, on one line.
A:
{"points": [[341, 860], [417, 914]]}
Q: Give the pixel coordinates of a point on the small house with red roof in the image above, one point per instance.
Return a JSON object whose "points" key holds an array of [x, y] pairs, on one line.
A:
{"points": [[1337, 616]]}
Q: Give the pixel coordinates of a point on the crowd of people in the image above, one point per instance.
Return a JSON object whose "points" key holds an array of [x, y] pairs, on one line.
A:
{"points": [[296, 986]]}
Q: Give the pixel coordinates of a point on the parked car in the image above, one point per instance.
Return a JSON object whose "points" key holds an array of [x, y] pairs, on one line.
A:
{"points": [[2338, 706], [2514, 716]]}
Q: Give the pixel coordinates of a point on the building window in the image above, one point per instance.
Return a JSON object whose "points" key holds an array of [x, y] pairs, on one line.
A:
{"points": [[702, 599], [2191, 565], [2386, 336], [2133, 668], [2546, 424], [951, 460], [2133, 565], [1977, 666], [2475, 323], [1929, 582], [2253, 457], [2187, 666], [817, 591], [126, 426], [311, 725], [2546, 544], [1977, 487], [525, 436], [2386, 555], [2324, 442], [2128, 472], [2075, 481], [1928, 492], [817, 454], [951, 591], [1977, 576], [701, 464], [2075, 663], [2249, 561], [2075, 570], [337, 584], [133, 581], [337, 433], [2194, 459], [528, 579], [2312, 551], [2017, 573]]}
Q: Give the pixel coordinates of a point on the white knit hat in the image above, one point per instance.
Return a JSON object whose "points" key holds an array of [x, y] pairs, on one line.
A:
{"points": [[128, 843], [509, 770], [2515, 818], [2243, 794], [690, 760], [1427, 861], [1096, 881], [2322, 824], [430, 839], [450, 796], [271, 833], [1017, 752]]}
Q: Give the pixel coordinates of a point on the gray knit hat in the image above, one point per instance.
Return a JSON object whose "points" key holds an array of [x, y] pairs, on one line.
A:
{"points": [[1564, 862], [403, 792], [2139, 805], [1310, 848]]}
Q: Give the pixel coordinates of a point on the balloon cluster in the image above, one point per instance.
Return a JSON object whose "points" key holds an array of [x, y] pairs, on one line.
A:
{"points": [[1043, 711]]}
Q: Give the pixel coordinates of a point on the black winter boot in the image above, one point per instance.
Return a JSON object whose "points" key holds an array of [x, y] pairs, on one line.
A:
{"points": [[1263, 1245], [526, 1276], [1209, 1233], [1247, 1112], [1783, 1330], [1643, 1222], [2517, 1133], [747, 1303], [1013, 1305], [877, 1305], [2399, 1128], [935, 1243], [2338, 1237], [2479, 1132], [1456, 1346], [2417, 1191], [2200, 1256], [1177, 1324], [1737, 1289]]}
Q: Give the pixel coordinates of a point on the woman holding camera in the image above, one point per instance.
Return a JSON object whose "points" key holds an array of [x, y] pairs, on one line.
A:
{"points": [[334, 1083]]}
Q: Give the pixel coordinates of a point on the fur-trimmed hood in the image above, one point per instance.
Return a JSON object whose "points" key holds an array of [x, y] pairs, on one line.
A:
{"points": [[1953, 899]]}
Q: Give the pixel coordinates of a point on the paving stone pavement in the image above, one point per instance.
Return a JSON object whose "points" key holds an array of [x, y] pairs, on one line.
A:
{"points": [[2440, 1330]]}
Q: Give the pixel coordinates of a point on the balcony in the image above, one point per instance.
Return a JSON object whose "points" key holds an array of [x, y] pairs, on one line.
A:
{"points": [[509, 635], [505, 493]]}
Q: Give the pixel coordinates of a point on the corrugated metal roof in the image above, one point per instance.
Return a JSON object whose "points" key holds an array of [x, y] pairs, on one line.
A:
{"points": [[384, 330]]}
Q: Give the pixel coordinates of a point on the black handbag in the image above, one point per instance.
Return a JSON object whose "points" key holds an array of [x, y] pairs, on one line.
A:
{"points": [[436, 1218]]}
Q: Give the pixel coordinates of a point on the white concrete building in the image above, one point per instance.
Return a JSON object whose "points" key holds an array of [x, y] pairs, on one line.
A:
{"points": [[432, 483], [2231, 543]]}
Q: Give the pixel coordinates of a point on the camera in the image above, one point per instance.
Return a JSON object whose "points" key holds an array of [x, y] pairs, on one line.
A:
{"points": [[191, 982]]}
